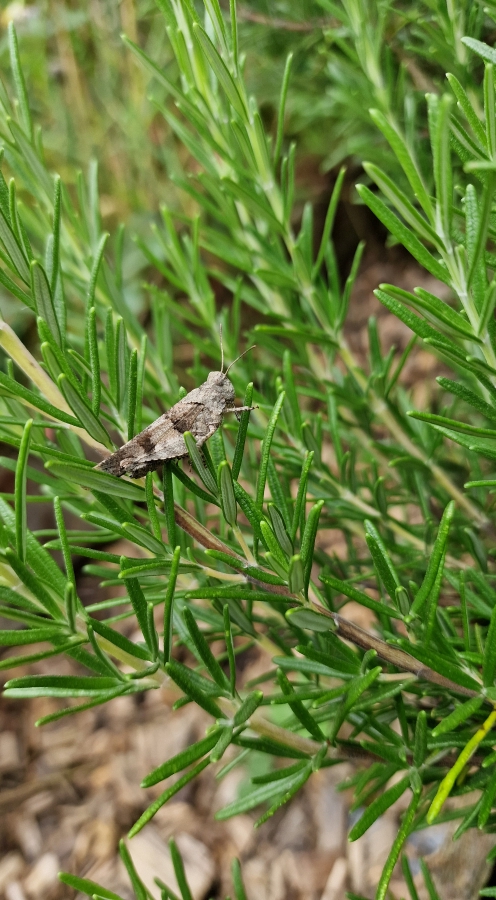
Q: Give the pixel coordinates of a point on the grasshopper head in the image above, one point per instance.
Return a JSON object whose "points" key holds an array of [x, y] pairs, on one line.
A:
{"points": [[222, 386]]}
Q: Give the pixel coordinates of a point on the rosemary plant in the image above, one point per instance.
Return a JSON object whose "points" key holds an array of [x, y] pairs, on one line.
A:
{"points": [[237, 550]]}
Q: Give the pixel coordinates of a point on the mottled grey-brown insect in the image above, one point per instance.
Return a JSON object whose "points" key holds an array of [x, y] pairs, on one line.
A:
{"points": [[200, 412]]}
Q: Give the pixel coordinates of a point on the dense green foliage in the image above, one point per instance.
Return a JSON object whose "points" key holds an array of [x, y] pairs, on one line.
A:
{"points": [[239, 549]]}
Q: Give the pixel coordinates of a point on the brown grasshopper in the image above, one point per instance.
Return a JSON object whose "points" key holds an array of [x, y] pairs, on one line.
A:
{"points": [[200, 412]]}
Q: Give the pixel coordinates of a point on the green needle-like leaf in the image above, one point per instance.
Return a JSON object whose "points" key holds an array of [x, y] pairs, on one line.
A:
{"points": [[84, 412], [226, 490], [91, 888], [204, 652], [20, 491], [267, 441], [44, 302], [198, 464]]}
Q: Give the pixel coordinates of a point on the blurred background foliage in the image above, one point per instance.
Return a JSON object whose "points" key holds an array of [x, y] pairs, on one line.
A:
{"points": [[93, 101]]}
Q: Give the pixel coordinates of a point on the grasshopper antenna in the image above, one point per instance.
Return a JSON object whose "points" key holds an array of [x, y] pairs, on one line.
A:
{"points": [[239, 357], [221, 350]]}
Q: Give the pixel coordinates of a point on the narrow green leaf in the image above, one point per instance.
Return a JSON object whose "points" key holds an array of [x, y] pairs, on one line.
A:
{"points": [[18, 638], [59, 686], [228, 637], [20, 491], [259, 795], [446, 785], [167, 795], [435, 561], [382, 562], [489, 109], [308, 618], [110, 353], [33, 583], [487, 801], [84, 412], [120, 362], [487, 309], [138, 886], [179, 872], [406, 160], [489, 662], [97, 700], [91, 888], [224, 741], [400, 201], [300, 501], [281, 111], [55, 246], [296, 581], [95, 268], [181, 760], [407, 875], [298, 708], [378, 807], [239, 888], [249, 571], [266, 445], [357, 687], [96, 481], [44, 302], [204, 652], [14, 289], [273, 545], [466, 394], [193, 686], [226, 491], [308, 542], [439, 127], [286, 797], [152, 509], [420, 746], [221, 72], [329, 221], [468, 109], [138, 603], [132, 392], [436, 309], [140, 378], [279, 527], [241, 435], [354, 594], [119, 640], [290, 390], [64, 544], [191, 485], [34, 400], [441, 665], [168, 604], [483, 50], [247, 708], [405, 828], [108, 665], [96, 385], [403, 234], [20, 84], [459, 715], [15, 256], [235, 593], [247, 506], [197, 462], [170, 517]]}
